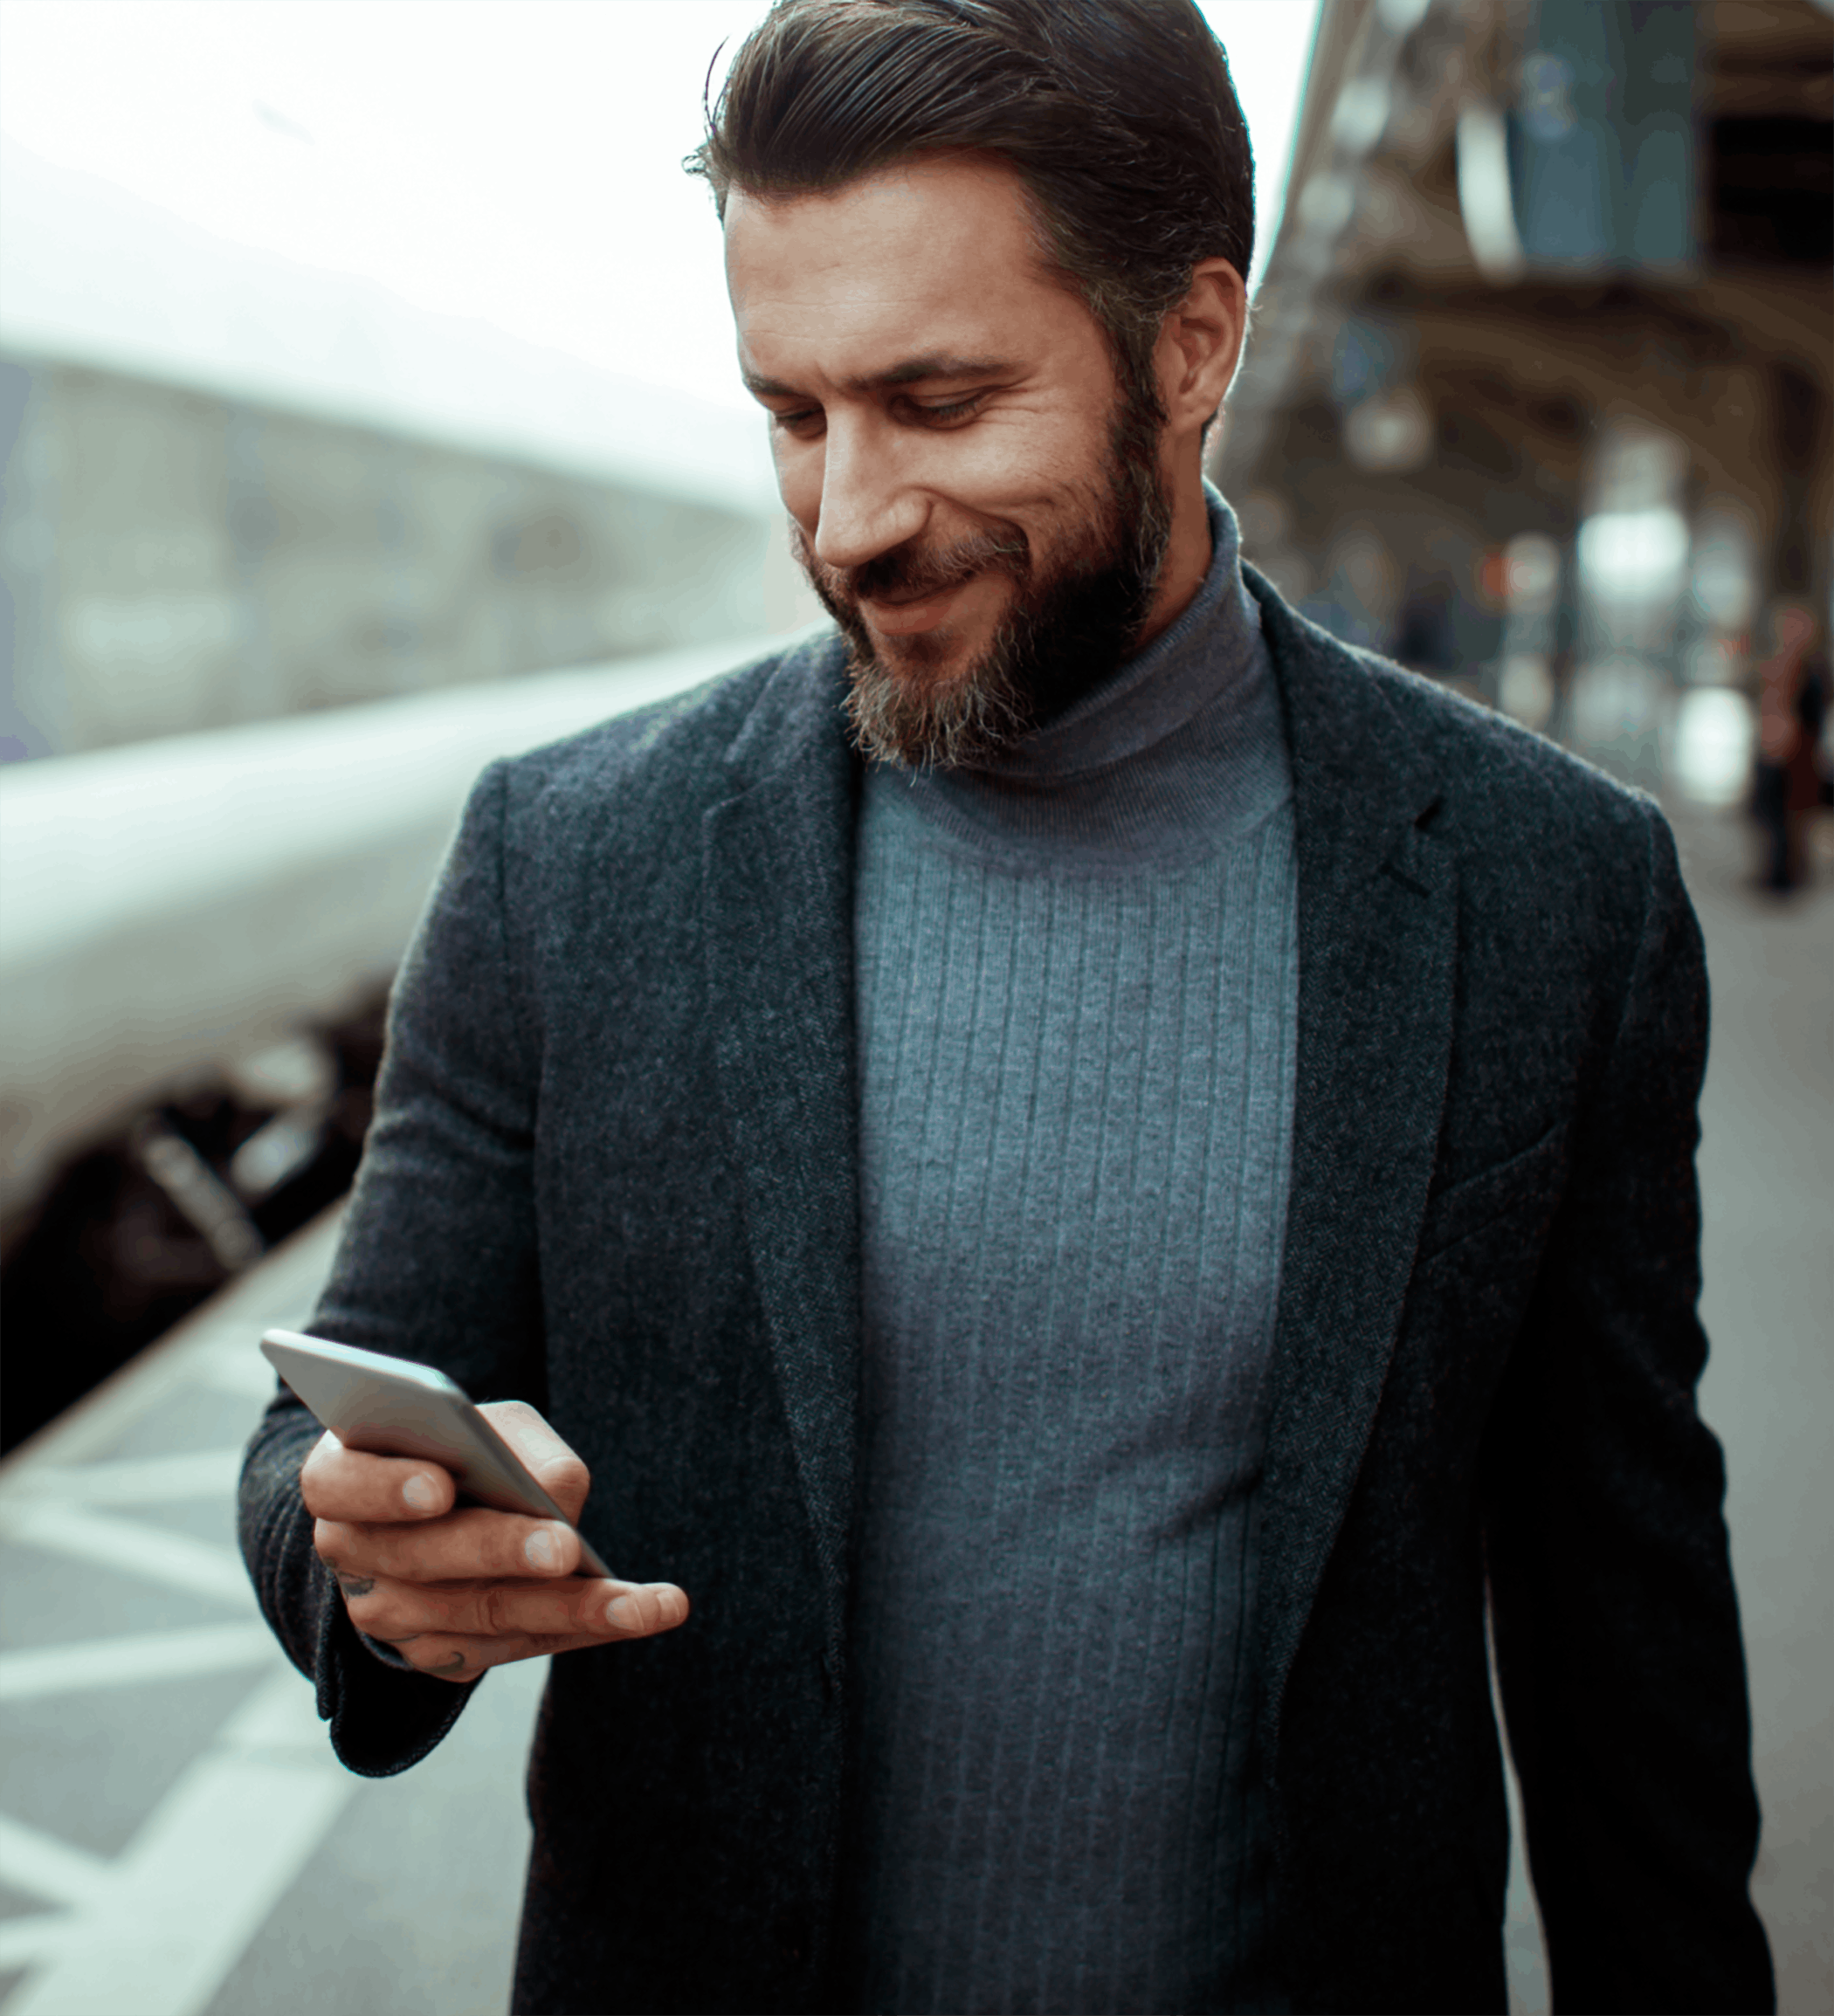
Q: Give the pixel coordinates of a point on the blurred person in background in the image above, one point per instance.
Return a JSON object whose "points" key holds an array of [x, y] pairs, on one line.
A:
{"points": [[1081, 1166], [1423, 639], [1787, 782]]}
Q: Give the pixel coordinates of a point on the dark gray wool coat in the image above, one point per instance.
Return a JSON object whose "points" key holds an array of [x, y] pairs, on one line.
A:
{"points": [[613, 1173]]}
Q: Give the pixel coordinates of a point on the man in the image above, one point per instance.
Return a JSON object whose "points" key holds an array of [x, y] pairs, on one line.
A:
{"points": [[1083, 1167]]}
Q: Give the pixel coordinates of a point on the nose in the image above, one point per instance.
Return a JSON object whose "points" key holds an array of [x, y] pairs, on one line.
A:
{"points": [[868, 507]]}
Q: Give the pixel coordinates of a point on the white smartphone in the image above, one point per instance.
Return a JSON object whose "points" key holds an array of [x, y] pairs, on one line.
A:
{"points": [[392, 1406]]}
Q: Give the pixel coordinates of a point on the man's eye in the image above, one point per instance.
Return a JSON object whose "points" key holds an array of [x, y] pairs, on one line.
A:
{"points": [[952, 408]]}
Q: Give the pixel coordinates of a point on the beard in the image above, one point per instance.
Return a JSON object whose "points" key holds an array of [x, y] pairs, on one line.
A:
{"points": [[1074, 617]]}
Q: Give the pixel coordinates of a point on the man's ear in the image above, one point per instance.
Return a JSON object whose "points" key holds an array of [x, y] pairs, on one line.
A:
{"points": [[1200, 343]]}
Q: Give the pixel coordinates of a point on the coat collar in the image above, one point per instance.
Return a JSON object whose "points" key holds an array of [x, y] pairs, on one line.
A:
{"points": [[1377, 946]]}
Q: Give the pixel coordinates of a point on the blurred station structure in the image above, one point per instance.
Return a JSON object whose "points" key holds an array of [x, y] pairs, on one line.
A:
{"points": [[1538, 394]]}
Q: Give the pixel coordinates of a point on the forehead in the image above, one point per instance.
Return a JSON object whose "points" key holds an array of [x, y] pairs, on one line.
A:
{"points": [[930, 256]]}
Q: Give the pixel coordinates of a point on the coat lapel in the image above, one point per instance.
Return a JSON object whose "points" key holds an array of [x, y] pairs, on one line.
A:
{"points": [[1377, 944], [777, 904]]}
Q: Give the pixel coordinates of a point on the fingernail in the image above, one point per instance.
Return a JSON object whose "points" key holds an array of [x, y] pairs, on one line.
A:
{"points": [[623, 1614], [418, 1494], [541, 1551]]}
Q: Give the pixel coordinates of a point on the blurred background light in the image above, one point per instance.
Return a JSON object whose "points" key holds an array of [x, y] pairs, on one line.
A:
{"points": [[1391, 434], [1531, 564], [1634, 556], [1326, 204], [1725, 564], [1715, 734], [1361, 115], [1485, 198]]}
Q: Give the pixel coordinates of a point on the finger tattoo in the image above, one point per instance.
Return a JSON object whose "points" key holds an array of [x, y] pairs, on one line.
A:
{"points": [[356, 1585]]}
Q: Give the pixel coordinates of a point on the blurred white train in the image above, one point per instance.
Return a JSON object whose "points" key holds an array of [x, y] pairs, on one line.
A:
{"points": [[196, 935]]}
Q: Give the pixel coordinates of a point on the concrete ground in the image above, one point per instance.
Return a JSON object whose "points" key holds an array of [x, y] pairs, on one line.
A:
{"points": [[1767, 1177], [177, 1840]]}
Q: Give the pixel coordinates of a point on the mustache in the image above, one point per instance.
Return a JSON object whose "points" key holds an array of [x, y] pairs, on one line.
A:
{"points": [[911, 570]]}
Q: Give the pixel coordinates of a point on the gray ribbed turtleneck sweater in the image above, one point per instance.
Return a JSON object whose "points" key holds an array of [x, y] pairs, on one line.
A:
{"points": [[1078, 990]]}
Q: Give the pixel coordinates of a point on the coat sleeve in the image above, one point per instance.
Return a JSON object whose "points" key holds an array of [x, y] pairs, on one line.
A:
{"points": [[1617, 1628], [436, 1262]]}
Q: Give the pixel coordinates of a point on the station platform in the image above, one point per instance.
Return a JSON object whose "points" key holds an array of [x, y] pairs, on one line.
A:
{"points": [[176, 1839]]}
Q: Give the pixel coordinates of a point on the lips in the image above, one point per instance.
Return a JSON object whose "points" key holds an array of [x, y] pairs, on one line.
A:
{"points": [[897, 616]]}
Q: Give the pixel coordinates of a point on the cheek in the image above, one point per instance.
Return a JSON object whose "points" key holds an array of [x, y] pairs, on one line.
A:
{"points": [[984, 604], [1032, 476], [799, 478]]}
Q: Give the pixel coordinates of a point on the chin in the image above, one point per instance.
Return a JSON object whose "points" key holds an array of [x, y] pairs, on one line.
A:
{"points": [[942, 703], [932, 660]]}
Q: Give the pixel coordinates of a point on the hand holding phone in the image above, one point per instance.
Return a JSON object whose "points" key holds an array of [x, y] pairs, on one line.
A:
{"points": [[458, 1588]]}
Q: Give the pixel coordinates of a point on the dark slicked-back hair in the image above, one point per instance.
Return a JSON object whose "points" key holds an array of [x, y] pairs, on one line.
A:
{"points": [[1118, 115]]}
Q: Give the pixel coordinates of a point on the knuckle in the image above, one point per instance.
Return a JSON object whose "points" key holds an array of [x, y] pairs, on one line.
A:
{"points": [[504, 1557], [568, 1473], [318, 1474], [386, 1556], [568, 1482], [374, 1615], [368, 1605], [440, 1658]]}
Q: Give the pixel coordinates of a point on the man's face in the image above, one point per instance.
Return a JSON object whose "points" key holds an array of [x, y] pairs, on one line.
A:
{"points": [[979, 509]]}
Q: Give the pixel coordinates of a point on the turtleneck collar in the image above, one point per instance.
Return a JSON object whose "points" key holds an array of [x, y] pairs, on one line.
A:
{"points": [[1147, 696], [1179, 749]]}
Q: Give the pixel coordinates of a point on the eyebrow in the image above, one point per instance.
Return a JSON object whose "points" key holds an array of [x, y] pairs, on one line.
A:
{"points": [[938, 364]]}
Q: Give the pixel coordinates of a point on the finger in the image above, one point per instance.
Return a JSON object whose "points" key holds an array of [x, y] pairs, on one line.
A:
{"points": [[351, 1484], [556, 1466], [463, 1659], [593, 1612], [644, 1609], [469, 1544]]}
